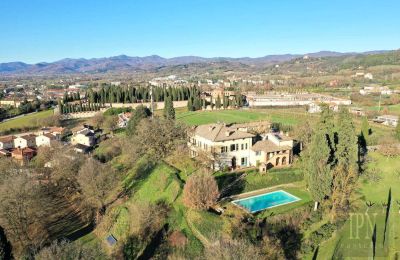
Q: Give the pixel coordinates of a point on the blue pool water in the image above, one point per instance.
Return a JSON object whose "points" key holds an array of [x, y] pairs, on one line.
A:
{"points": [[266, 201]]}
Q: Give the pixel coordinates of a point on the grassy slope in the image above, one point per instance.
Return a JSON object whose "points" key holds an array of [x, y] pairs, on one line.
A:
{"points": [[25, 121], [377, 192]]}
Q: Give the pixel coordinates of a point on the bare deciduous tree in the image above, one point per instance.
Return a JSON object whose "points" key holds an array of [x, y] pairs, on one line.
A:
{"points": [[200, 191]]}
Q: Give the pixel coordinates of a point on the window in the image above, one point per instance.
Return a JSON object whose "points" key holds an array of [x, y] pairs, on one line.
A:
{"points": [[258, 153], [233, 146], [237, 147], [246, 146], [243, 161], [224, 149], [242, 146]]}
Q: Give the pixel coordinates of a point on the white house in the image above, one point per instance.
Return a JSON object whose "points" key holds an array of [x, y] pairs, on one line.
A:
{"points": [[25, 141], [44, 140], [84, 136]]}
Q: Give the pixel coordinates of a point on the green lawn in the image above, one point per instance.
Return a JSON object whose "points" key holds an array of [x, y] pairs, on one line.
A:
{"points": [[391, 108], [284, 116], [25, 121], [355, 238]]}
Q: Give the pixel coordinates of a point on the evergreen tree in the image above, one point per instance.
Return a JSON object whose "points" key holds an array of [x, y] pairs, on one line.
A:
{"points": [[197, 103], [365, 128], [190, 104], [204, 103], [218, 102], [225, 102], [60, 106], [318, 169], [320, 157], [169, 111], [346, 172]]}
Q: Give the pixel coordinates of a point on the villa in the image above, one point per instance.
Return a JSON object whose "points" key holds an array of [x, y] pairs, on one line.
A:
{"points": [[237, 146]]}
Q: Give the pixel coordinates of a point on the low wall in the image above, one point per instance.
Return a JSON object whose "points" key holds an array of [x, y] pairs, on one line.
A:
{"points": [[157, 105]]}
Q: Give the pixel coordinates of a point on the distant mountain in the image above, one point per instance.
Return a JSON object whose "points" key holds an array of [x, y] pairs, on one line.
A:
{"points": [[125, 63]]}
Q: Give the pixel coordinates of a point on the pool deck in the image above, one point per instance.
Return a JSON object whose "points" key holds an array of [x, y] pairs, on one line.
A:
{"points": [[260, 191]]}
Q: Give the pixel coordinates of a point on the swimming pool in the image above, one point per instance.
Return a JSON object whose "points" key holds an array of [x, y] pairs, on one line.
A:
{"points": [[266, 201]]}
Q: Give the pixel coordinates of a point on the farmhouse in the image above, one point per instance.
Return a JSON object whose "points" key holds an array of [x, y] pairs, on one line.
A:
{"points": [[237, 146]]}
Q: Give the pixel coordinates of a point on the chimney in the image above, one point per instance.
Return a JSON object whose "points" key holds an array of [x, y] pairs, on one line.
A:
{"points": [[287, 133], [227, 133], [281, 132]]}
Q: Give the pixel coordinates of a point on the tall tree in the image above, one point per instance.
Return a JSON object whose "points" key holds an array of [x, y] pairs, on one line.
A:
{"points": [[346, 171], [190, 104], [169, 111], [320, 157], [218, 102]]}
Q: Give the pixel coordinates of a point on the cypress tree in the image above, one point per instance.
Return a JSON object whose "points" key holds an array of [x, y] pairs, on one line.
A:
{"points": [[365, 127], [225, 102], [190, 104], [218, 102], [169, 111], [197, 103], [319, 158], [345, 173]]}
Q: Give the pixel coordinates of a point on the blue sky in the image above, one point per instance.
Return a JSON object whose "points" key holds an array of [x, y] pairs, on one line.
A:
{"points": [[49, 30]]}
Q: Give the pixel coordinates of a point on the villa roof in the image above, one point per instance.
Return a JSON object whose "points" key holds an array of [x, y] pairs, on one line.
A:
{"points": [[268, 146], [220, 132]]}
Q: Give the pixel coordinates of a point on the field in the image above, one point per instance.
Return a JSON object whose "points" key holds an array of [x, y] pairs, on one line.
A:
{"points": [[282, 115], [391, 108], [28, 121], [355, 238]]}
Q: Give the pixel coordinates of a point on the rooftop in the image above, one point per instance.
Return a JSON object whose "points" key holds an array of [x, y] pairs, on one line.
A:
{"points": [[268, 146], [221, 132]]}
